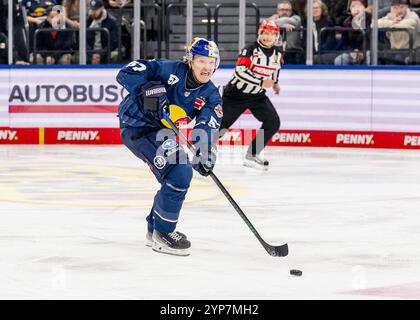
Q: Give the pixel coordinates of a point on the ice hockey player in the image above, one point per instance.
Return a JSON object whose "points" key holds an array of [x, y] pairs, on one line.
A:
{"points": [[257, 68], [183, 91]]}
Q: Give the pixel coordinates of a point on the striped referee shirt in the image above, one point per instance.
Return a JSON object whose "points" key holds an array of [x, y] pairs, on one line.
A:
{"points": [[254, 65]]}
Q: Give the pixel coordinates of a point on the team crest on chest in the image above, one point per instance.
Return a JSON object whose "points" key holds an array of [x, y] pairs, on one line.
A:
{"points": [[186, 94]]}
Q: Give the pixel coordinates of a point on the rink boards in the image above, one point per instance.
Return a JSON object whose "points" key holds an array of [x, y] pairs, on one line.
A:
{"points": [[371, 108]]}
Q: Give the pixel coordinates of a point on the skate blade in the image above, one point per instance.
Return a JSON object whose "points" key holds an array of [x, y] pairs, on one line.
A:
{"points": [[253, 165], [164, 249]]}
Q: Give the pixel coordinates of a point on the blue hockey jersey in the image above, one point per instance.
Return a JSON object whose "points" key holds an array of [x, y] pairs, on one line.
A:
{"points": [[202, 104]]}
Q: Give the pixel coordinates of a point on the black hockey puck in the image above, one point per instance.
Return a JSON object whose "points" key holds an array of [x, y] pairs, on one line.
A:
{"points": [[295, 272]]}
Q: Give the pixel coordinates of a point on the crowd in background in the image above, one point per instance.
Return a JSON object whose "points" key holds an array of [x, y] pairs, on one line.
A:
{"points": [[49, 34], [342, 31]]}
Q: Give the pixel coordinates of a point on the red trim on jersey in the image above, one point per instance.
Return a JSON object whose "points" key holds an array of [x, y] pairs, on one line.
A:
{"points": [[264, 67], [257, 68], [244, 61], [260, 74]]}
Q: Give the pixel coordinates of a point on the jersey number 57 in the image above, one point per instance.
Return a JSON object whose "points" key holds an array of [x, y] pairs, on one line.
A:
{"points": [[137, 66]]}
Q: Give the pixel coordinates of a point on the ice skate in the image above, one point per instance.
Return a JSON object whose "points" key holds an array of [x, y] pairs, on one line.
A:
{"points": [[149, 239], [255, 162], [171, 243]]}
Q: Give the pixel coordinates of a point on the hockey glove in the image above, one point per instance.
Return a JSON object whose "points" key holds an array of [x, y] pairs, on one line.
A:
{"points": [[154, 99], [205, 160]]}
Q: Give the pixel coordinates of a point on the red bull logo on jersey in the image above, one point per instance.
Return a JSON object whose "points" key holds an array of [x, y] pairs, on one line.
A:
{"points": [[355, 139], [413, 141], [178, 116], [77, 135], [8, 135], [182, 122]]}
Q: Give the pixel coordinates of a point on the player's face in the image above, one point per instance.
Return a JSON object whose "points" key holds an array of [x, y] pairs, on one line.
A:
{"points": [[203, 68], [268, 38]]}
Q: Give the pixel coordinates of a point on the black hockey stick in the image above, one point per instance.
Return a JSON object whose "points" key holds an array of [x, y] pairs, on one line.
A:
{"points": [[275, 251]]}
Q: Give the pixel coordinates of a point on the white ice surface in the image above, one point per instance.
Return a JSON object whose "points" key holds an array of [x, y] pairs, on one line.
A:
{"points": [[72, 226]]}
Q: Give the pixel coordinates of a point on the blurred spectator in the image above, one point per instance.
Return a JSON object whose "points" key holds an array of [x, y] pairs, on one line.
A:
{"points": [[286, 16], [36, 13], [289, 22], [4, 59], [37, 10], [98, 41], [338, 10], [20, 41], [117, 3], [125, 21], [3, 32], [414, 3], [72, 13], [382, 6], [357, 42], [20, 36], [401, 17], [3, 49], [3, 16], [385, 7], [323, 41], [55, 40], [299, 7]]}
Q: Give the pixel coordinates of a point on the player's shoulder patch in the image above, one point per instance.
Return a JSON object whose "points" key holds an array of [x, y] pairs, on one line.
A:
{"points": [[218, 110], [173, 79], [247, 50]]}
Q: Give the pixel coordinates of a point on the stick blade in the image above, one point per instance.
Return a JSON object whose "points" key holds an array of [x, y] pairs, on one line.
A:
{"points": [[278, 251]]}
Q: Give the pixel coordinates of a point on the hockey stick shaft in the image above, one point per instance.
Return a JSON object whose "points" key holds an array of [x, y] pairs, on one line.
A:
{"points": [[278, 251]]}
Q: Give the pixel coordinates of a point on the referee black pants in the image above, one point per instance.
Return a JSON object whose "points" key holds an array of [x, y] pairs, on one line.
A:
{"points": [[235, 103]]}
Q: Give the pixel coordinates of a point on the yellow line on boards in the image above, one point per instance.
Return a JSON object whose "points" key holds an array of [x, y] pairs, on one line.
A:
{"points": [[41, 136]]}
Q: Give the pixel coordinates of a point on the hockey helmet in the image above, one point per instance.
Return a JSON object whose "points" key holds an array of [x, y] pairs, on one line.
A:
{"points": [[269, 25], [203, 47]]}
